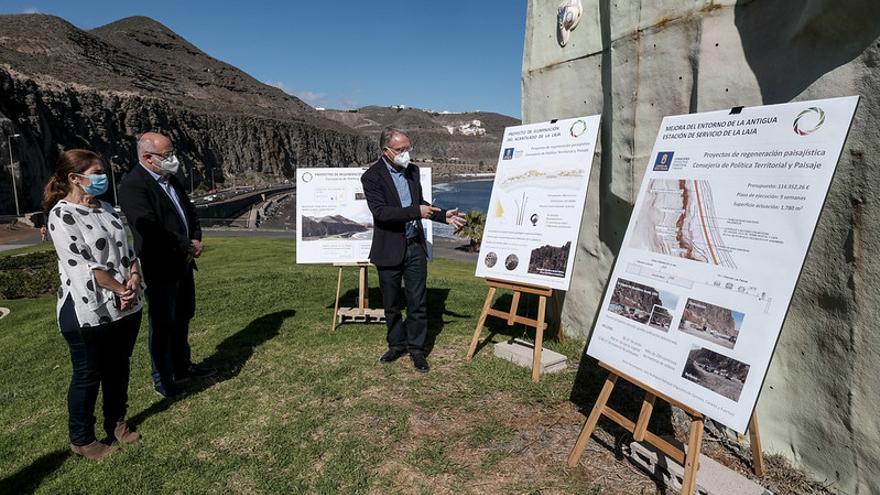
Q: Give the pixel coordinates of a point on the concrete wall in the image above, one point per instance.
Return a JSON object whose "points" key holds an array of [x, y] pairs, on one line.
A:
{"points": [[635, 61]]}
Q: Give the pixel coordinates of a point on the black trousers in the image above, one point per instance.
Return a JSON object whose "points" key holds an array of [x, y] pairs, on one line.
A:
{"points": [[101, 357], [411, 334], [170, 307]]}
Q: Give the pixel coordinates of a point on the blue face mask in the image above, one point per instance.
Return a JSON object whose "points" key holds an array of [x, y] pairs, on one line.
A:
{"points": [[97, 184]]}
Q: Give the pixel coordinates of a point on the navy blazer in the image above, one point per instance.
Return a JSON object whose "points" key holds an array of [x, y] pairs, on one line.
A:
{"points": [[159, 240], [389, 216]]}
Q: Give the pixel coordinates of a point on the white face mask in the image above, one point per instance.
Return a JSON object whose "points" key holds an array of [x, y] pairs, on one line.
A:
{"points": [[401, 159], [169, 166]]}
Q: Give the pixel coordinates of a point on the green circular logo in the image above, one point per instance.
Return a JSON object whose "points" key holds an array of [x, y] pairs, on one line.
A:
{"points": [[801, 127]]}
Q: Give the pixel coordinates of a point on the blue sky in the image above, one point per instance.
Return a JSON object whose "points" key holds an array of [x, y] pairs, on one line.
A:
{"points": [[452, 55]]}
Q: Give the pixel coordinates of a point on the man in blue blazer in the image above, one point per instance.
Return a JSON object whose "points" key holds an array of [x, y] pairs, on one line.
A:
{"points": [[399, 249]]}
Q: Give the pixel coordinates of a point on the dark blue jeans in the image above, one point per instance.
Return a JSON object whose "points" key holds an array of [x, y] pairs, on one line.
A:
{"points": [[101, 357], [170, 306], [411, 334]]}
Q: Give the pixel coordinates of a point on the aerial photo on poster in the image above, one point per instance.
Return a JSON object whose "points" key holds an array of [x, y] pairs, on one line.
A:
{"points": [[537, 202], [709, 262]]}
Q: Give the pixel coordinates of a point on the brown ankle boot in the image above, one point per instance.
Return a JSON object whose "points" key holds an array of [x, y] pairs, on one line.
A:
{"points": [[95, 450], [124, 435]]}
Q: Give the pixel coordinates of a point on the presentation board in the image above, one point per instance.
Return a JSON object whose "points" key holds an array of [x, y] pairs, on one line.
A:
{"points": [[714, 248], [537, 202], [333, 222]]}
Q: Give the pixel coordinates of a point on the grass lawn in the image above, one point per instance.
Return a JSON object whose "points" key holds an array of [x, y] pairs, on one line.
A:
{"points": [[296, 408]]}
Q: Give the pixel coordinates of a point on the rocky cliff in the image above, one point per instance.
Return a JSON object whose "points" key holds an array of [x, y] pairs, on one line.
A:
{"points": [[550, 260], [62, 87], [709, 316], [635, 295]]}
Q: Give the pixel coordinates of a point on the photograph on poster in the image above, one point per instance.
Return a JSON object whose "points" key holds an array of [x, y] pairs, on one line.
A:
{"points": [[721, 374], [711, 323], [550, 260], [511, 262], [637, 302], [661, 318], [678, 218], [335, 227], [491, 259]]}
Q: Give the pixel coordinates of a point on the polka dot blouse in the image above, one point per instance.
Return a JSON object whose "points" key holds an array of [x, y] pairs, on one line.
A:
{"points": [[85, 239]]}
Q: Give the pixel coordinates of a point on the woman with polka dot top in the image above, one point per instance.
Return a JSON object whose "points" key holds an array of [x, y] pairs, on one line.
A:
{"points": [[99, 300]]}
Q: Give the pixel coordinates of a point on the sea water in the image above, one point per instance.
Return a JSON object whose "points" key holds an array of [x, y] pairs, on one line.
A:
{"points": [[466, 195]]}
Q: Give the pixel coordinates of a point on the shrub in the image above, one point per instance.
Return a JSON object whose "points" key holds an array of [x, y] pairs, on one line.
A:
{"points": [[473, 229], [28, 275]]}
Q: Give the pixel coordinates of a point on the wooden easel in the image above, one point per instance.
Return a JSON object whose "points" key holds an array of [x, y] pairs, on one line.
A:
{"points": [[362, 313], [512, 317], [639, 430]]}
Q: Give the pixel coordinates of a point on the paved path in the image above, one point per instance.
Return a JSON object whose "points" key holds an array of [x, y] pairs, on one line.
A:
{"points": [[13, 238]]}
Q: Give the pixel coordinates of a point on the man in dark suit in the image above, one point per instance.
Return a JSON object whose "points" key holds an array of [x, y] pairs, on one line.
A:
{"points": [[167, 237], [394, 196]]}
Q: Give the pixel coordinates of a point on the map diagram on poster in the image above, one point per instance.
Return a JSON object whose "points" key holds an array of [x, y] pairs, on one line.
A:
{"points": [[333, 222], [714, 248], [537, 202]]}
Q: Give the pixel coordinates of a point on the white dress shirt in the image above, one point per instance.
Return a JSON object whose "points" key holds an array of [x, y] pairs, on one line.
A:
{"points": [[172, 195]]}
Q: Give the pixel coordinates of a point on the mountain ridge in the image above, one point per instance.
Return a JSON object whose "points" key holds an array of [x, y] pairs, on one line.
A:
{"points": [[64, 87]]}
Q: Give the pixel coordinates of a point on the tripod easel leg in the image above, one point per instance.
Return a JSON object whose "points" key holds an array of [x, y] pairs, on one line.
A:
{"points": [[336, 305], [482, 321], [362, 290], [644, 417], [514, 307], [557, 314], [539, 339], [755, 441], [592, 420], [692, 457]]}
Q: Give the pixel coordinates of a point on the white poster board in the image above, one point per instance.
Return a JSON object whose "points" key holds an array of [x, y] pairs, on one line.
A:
{"points": [[537, 202], [333, 222], [714, 248]]}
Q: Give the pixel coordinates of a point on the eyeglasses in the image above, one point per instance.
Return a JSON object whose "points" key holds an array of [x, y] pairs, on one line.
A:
{"points": [[162, 155], [401, 150]]}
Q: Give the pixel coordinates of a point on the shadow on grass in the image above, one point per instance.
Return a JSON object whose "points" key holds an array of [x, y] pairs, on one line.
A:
{"points": [[528, 307], [436, 310], [228, 359], [28, 479], [625, 398]]}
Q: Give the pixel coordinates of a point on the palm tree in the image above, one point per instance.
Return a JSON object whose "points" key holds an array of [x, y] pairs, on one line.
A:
{"points": [[475, 220]]}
